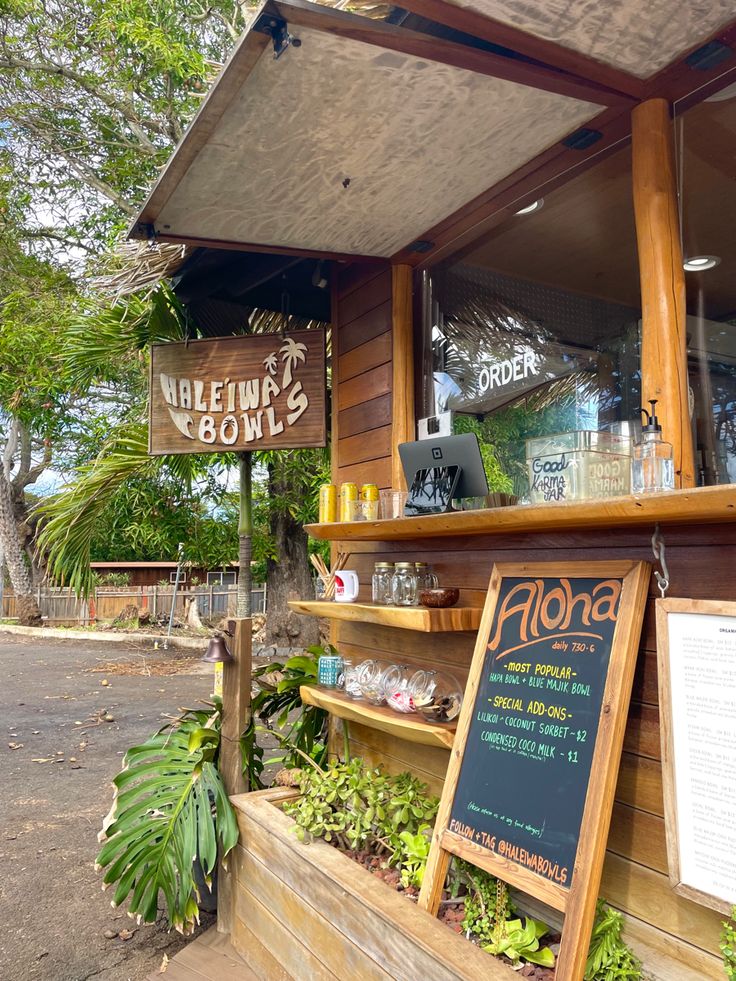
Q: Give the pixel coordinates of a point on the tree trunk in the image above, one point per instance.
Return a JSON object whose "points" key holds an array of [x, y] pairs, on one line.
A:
{"points": [[20, 576], [288, 576]]}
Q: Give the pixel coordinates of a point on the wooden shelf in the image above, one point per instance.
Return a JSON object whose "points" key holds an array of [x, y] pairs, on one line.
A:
{"points": [[410, 726], [700, 505], [406, 617]]}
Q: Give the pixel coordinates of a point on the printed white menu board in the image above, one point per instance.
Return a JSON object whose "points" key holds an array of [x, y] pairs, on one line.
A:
{"points": [[696, 645]]}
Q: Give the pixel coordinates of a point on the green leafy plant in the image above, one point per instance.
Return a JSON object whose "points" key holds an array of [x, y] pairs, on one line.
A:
{"points": [[414, 855], [728, 945], [519, 942], [304, 737], [170, 812], [487, 903], [111, 579], [359, 807], [609, 958]]}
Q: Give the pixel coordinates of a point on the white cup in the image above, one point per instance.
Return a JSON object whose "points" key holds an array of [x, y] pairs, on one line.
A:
{"points": [[346, 586]]}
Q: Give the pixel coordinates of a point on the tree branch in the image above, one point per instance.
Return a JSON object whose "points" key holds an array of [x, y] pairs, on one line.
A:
{"points": [[81, 169], [57, 237], [137, 123]]}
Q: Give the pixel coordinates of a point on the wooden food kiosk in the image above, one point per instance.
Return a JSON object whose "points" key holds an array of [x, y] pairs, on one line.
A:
{"points": [[409, 156]]}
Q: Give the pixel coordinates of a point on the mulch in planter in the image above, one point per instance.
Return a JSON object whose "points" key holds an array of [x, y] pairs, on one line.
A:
{"points": [[451, 913]]}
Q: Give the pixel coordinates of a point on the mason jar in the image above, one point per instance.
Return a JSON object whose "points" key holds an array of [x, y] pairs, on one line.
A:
{"points": [[426, 579], [404, 584], [381, 583]]}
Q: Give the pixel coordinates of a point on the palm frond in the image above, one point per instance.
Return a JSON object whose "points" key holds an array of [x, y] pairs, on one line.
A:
{"points": [[170, 810], [68, 520], [109, 333]]}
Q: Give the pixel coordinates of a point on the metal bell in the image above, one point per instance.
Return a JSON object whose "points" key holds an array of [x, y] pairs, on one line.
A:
{"points": [[217, 651]]}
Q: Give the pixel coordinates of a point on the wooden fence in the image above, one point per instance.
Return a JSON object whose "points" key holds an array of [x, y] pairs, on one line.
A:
{"points": [[59, 605]]}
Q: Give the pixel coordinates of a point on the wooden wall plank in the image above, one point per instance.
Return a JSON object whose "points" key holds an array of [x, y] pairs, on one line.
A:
{"points": [[649, 896], [364, 387], [366, 416], [668, 958], [358, 274], [367, 294], [316, 926], [373, 472], [365, 446], [371, 324], [368, 355], [260, 960], [293, 956]]}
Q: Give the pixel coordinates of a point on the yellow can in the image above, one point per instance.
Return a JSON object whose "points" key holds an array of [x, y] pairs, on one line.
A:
{"points": [[369, 498], [327, 503], [348, 494]]}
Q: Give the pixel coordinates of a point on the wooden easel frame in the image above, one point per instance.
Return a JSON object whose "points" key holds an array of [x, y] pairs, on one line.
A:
{"points": [[669, 781], [578, 901]]}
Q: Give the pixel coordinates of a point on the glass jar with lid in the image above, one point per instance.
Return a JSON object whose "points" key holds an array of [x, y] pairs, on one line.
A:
{"points": [[426, 579], [381, 583], [404, 584]]}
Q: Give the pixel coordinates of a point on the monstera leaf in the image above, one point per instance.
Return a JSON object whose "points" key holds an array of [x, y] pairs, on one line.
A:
{"points": [[170, 812]]}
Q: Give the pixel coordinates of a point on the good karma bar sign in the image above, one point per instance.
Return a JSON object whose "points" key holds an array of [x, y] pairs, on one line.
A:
{"points": [[255, 392]]}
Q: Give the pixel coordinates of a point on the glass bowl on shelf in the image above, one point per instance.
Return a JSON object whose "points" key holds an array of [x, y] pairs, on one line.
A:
{"points": [[443, 701], [370, 680]]}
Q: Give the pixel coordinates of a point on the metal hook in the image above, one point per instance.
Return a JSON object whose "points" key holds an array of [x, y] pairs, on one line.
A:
{"points": [[658, 548]]}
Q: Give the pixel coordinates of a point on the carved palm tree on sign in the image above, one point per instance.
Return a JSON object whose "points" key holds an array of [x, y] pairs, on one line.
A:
{"points": [[292, 353], [271, 363]]}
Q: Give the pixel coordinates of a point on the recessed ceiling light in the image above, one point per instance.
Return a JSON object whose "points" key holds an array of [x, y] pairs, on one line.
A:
{"points": [[534, 206], [699, 263]]}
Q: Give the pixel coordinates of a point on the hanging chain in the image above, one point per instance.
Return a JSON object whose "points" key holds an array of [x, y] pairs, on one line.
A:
{"points": [[658, 548]]}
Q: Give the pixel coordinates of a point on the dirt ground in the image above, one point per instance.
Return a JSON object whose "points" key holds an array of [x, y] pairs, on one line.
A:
{"points": [[63, 734]]}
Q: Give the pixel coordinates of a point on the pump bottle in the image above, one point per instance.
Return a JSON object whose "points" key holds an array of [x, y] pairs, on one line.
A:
{"points": [[652, 465]]}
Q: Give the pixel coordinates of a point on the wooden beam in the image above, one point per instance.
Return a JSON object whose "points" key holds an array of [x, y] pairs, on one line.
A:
{"points": [[663, 344], [236, 677], [402, 397], [299, 13], [214, 243], [235, 716]]}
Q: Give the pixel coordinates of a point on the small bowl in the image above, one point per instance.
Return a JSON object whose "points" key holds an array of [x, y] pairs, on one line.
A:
{"points": [[436, 598]]}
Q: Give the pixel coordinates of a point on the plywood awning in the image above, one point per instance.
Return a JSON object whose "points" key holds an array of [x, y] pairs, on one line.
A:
{"points": [[356, 141]]}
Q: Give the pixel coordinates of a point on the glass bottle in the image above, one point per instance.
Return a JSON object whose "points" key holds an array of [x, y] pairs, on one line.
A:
{"points": [[652, 464], [404, 584], [381, 583]]}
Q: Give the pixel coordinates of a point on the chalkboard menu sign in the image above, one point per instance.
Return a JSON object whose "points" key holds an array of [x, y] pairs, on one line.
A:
{"points": [[529, 749], [529, 790]]}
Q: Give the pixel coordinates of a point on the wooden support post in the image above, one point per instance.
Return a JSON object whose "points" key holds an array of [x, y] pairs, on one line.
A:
{"points": [[663, 345], [236, 679], [402, 398]]}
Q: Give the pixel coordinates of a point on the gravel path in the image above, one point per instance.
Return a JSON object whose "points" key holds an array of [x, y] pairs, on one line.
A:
{"points": [[53, 914]]}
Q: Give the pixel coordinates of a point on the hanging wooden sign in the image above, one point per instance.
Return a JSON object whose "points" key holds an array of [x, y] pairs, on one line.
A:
{"points": [[253, 392], [529, 789], [696, 654]]}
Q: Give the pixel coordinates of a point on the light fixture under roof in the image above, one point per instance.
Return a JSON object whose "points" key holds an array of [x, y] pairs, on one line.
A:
{"points": [[534, 206], [699, 263]]}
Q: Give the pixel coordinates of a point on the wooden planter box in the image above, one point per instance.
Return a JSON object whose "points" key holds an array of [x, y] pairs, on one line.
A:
{"points": [[307, 912]]}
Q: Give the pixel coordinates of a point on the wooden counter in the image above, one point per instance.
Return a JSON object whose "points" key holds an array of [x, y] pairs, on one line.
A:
{"points": [[700, 505]]}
